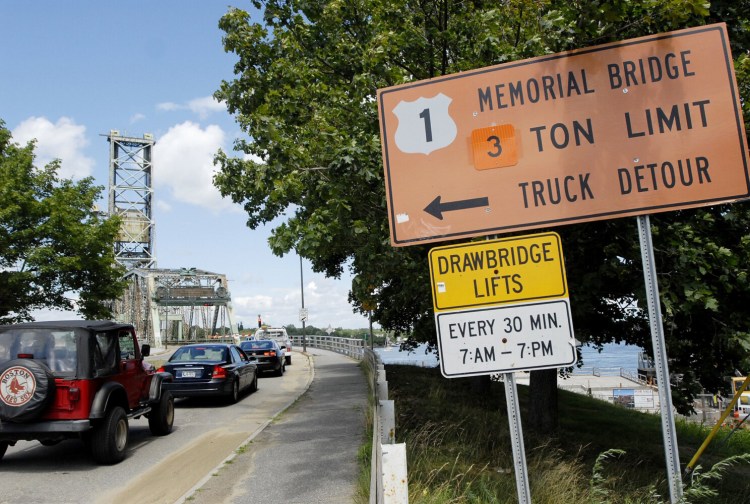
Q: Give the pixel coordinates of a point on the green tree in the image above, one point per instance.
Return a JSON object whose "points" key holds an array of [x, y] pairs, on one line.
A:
{"points": [[53, 242], [304, 91]]}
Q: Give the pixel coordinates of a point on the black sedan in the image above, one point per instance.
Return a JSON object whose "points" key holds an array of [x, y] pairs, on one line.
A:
{"points": [[267, 354], [211, 370]]}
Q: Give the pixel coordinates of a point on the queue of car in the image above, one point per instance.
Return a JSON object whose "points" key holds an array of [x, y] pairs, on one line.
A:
{"points": [[86, 379], [201, 370], [267, 354]]}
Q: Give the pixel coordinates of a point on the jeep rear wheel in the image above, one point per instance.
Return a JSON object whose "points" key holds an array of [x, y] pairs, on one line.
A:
{"points": [[27, 387], [161, 418], [109, 439]]}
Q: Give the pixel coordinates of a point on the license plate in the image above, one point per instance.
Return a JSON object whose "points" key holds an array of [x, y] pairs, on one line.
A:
{"points": [[188, 374]]}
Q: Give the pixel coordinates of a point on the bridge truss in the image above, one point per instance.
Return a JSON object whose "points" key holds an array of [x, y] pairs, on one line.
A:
{"points": [[176, 305], [130, 197]]}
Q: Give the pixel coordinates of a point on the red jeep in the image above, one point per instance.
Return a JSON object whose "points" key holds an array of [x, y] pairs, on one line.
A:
{"points": [[78, 379]]}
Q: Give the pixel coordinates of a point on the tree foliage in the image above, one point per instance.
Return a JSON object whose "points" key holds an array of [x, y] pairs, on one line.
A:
{"points": [[304, 91], [53, 242]]}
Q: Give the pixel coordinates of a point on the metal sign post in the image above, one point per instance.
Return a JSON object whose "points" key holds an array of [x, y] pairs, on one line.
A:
{"points": [[516, 437], [660, 360]]}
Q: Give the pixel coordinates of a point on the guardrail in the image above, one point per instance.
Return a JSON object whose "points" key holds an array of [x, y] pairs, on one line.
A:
{"points": [[388, 474], [352, 347]]}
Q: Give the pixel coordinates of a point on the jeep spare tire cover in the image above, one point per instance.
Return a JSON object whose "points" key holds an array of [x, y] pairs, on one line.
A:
{"points": [[26, 387]]}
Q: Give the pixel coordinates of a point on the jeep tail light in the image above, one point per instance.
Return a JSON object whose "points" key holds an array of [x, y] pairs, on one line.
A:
{"points": [[272, 353], [26, 356], [219, 372], [161, 369], [74, 394]]}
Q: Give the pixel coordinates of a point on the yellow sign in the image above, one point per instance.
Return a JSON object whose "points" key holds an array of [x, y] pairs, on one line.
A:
{"points": [[496, 272]]}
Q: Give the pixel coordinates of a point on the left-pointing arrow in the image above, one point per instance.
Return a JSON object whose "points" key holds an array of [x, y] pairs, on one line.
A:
{"points": [[436, 208]]}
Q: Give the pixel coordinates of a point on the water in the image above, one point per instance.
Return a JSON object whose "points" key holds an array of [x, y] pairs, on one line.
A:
{"points": [[417, 357], [613, 355]]}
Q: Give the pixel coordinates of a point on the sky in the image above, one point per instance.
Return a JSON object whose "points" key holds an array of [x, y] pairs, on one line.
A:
{"points": [[73, 71]]}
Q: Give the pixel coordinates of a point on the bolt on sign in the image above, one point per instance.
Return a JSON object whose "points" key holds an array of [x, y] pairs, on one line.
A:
{"points": [[640, 126], [501, 306]]}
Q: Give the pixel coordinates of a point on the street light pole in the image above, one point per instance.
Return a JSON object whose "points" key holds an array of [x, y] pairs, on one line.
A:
{"points": [[302, 291], [372, 339]]}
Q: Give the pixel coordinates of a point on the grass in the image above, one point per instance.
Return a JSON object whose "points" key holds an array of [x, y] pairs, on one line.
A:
{"points": [[459, 449]]}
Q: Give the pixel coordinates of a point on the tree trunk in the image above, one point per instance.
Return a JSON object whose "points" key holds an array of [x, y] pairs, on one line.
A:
{"points": [[543, 412], [480, 385]]}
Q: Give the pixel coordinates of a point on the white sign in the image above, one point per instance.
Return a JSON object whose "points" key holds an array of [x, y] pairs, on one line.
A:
{"points": [[506, 338], [643, 399], [416, 133], [303, 315]]}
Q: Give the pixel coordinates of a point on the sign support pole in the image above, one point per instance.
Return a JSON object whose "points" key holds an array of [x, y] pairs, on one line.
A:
{"points": [[516, 436], [669, 433]]}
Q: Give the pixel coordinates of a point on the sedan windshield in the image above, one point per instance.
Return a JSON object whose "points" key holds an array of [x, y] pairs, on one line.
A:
{"points": [[203, 353], [256, 345]]}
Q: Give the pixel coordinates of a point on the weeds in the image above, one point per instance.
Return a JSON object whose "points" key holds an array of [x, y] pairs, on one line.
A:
{"points": [[459, 450], [701, 487], [599, 493]]}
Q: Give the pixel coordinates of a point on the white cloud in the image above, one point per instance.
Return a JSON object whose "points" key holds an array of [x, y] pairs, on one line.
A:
{"points": [[169, 106], [325, 299], [163, 205], [137, 117], [253, 157], [183, 161], [251, 304], [205, 106], [65, 140]]}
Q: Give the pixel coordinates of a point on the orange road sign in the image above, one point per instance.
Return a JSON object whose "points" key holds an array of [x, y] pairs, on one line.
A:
{"points": [[640, 126]]}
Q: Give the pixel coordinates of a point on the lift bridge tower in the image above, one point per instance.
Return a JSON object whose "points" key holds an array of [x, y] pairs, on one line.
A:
{"points": [[130, 197], [180, 305]]}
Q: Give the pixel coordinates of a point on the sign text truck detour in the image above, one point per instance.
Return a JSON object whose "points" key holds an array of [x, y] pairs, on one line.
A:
{"points": [[639, 126]]}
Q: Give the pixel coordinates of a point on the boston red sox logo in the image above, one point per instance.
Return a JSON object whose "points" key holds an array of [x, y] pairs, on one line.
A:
{"points": [[17, 386]]}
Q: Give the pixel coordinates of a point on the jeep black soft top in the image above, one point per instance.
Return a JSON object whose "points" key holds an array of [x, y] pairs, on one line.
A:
{"points": [[66, 347]]}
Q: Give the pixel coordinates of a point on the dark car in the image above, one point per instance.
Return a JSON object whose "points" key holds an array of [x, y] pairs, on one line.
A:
{"points": [[211, 369], [78, 379], [267, 354]]}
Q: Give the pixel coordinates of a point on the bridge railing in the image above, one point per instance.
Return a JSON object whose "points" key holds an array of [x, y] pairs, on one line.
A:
{"points": [[388, 472], [352, 347]]}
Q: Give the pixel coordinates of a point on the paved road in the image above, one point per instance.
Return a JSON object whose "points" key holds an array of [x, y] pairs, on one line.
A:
{"points": [[309, 454], [157, 470]]}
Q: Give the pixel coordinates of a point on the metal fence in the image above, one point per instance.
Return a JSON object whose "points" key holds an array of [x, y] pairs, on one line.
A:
{"points": [[352, 347], [388, 473]]}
